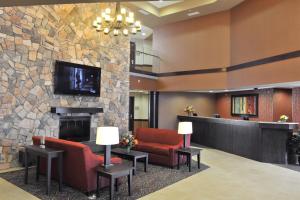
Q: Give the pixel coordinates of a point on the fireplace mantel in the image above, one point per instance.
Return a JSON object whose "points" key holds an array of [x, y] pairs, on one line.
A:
{"points": [[70, 110]]}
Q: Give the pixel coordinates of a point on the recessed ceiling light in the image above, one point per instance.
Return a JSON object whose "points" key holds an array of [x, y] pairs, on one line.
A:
{"points": [[193, 13], [143, 12]]}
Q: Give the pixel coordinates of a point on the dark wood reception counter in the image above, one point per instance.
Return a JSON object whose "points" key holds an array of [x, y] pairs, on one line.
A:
{"points": [[261, 141]]}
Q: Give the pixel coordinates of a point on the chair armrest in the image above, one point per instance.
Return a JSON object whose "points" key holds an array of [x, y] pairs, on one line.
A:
{"points": [[91, 160]]}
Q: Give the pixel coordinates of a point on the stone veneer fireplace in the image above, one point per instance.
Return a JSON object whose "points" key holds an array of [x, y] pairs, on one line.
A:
{"points": [[75, 128], [75, 123], [32, 38]]}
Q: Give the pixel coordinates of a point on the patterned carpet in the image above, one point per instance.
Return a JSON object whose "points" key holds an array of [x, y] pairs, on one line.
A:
{"points": [[157, 177]]}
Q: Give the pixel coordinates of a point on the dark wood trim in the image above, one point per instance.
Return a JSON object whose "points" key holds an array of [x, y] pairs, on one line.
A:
{"points": [[153, 114], [143, 72], [263, 61], [66, 110], [192, 72], [141, 120], [271, 59], [138, 65]]}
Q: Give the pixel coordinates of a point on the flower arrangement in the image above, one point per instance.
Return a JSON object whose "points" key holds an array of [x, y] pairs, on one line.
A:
{"points": [[128, 142], [189, 110], [283, 118]]}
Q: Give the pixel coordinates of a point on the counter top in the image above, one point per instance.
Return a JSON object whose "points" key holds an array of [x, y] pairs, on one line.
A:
{"points": [[261, 124]]}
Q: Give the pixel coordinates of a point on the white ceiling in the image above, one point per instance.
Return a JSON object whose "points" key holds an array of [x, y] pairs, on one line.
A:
{"points": [[174, 11], [144, 34], [161, 4], [285, 85]]}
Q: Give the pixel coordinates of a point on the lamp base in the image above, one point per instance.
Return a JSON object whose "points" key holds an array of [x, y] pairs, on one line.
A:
{"points": [[185, 141], [107, 166]]}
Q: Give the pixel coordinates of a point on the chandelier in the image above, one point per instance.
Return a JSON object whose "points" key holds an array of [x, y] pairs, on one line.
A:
{"points": [[121, 22]]}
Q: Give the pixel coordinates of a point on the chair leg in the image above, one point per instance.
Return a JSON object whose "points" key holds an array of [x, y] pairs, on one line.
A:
{"points": [[198, 159]]}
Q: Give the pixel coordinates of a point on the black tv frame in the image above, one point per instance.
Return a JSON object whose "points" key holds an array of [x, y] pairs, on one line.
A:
{"points": [[59, 63], [244, 95]]}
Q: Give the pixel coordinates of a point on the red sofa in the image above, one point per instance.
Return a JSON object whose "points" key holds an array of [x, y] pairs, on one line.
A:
{"points": [[160, 144], [79, 164]]}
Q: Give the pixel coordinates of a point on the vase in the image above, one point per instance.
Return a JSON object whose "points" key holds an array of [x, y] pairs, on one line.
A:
{"points": [[190, 114], [128, 149]]}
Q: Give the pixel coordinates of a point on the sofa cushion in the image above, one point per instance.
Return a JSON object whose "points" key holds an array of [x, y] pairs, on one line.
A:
{"points": [[113, 160], [155, 148], [162, 136]]}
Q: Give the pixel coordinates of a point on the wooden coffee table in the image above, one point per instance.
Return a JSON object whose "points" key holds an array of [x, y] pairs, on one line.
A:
{"points": [[132, 156], [189, 153], [113, 173]]}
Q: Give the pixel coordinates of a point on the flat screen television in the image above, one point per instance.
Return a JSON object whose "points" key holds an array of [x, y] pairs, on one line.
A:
{"points": [[76, 79]]}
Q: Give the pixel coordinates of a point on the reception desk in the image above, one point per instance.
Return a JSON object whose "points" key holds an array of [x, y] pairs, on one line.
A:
{"points": [[261, 141]]}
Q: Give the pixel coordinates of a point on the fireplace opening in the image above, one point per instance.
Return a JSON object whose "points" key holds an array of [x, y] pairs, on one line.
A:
{"points": [[75, 128]]}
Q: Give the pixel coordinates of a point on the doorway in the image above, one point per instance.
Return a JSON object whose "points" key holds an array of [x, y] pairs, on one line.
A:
{"points": [[131, 113], [138, 110]]}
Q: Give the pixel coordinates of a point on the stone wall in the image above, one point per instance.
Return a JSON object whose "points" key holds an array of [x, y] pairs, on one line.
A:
{"points": [[31, 40]]}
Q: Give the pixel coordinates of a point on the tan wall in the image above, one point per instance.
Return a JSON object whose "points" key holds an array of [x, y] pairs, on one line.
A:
{"points": [[252, 30], [140, 83], [196, 82], [263, 28], [173, 104], [276, 72], [198, 43]]}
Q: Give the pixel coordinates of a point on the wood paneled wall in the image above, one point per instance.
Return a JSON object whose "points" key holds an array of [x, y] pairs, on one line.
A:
{"points": [[272, 103]]}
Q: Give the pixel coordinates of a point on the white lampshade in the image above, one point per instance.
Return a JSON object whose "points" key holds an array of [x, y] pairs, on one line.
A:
{"points": [[185, 128], [107, 135]]}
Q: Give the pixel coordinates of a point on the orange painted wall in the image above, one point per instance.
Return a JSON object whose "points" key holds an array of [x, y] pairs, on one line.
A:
{"points": [[198, 82], [141, 83], [276, 72], [282, 104], [198, 43], [263, 28], [253, 30]]}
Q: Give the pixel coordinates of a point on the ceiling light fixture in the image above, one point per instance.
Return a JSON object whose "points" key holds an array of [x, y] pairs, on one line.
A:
{"points": [[193, 13], [121, 21]]}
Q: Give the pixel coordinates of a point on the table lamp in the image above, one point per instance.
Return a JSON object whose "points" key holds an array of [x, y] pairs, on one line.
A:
{"points": [[185, 128], [107, 136]]}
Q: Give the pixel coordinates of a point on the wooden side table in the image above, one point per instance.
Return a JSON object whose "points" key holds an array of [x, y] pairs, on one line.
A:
{"points": [[189, 153], [133, 156], [49, 154], [112, 173]]}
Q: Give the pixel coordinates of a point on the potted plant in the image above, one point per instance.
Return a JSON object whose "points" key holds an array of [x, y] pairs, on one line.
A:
{"points": [[189, 110], [283, 118], [293, 148], [128, 142]]}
